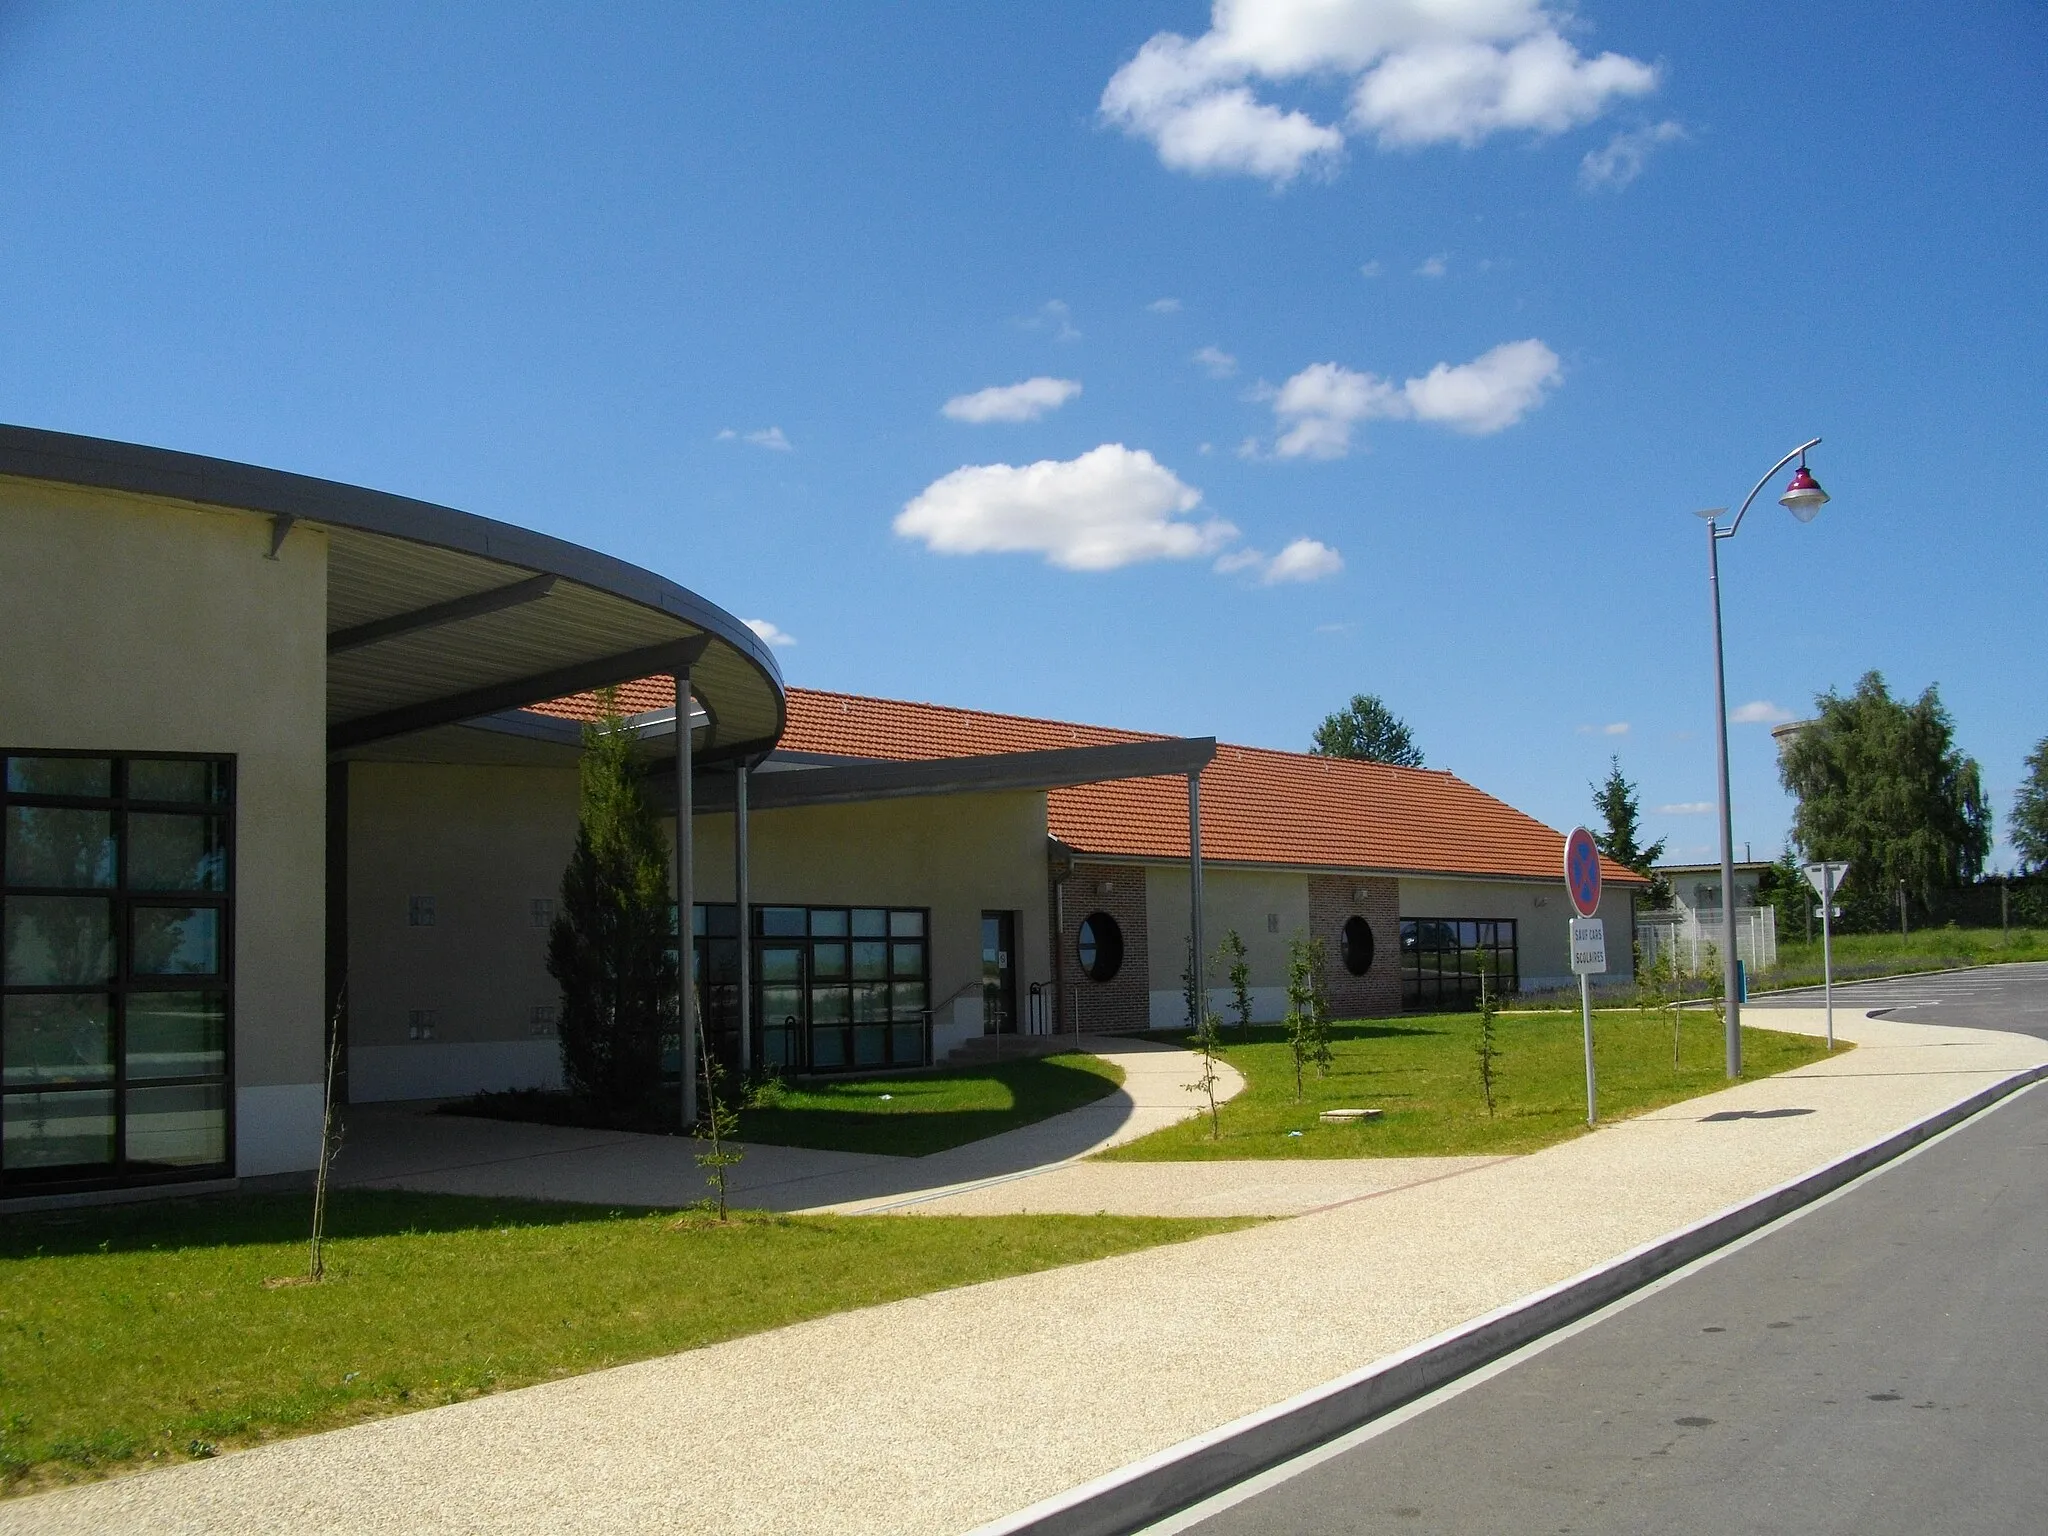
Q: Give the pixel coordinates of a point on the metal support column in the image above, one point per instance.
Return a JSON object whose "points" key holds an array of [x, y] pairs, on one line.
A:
{"points": [[1195, 893], [740, 896], [1730, 987], [686, 904]]}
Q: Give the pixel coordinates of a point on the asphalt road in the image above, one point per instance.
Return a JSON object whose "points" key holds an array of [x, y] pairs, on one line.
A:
{"points": [[2013, 997], [1877, 1364]]}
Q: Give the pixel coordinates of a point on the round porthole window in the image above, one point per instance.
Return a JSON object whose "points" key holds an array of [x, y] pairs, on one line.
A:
{"points": [[1101, 947], [1356, 943]]}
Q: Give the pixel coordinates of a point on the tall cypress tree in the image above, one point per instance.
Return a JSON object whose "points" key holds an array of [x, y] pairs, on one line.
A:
{"points": [[612, 947], [1615, 799]]}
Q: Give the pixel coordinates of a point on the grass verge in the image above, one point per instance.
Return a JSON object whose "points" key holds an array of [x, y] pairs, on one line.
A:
{"points": [[1865, 956], [1423, 1071], [139, 1335]]}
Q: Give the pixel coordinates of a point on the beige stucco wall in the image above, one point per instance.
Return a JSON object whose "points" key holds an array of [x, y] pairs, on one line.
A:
{"points": [[1542, 914], [140, 624], [485, 843], [1247, 900], [959, 855]]}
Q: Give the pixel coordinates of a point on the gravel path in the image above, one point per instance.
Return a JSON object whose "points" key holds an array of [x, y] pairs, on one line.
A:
{"points": [[935, 1414]]}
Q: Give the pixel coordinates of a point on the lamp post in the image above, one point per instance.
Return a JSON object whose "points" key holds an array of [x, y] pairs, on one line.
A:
{"points": [[1803, 498]]}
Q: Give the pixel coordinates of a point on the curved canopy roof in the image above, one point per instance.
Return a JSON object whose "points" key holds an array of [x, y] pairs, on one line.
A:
{"points": [[436, 616]]}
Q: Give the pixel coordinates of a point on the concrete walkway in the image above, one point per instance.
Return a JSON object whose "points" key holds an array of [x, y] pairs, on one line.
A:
{"points": [[1036, 1169], [407, 1146], [936, 1414]]}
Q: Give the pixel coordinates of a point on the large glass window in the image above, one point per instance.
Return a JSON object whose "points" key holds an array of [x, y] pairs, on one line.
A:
{"points": [[841, 989], [115, 912], [1442, 959]]}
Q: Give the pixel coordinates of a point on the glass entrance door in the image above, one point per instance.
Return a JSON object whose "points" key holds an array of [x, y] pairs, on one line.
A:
{"points": [[999, 973], [782, 971]]}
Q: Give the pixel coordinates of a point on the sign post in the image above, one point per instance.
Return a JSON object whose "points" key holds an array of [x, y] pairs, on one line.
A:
{"points": [[1827, 880], [1588, 940]]}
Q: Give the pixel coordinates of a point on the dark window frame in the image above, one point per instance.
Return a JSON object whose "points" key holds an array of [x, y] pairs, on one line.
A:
{"points": [[715, 942], [1429, 984], [1347, 946], [1106, 967], [124, 901]]}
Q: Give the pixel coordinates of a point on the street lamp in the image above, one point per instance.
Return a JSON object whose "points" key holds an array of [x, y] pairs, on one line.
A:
{"points": [[1803, 498]]}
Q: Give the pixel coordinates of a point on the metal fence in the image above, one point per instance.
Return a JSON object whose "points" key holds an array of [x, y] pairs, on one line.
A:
{"points": [[1695, 938]]}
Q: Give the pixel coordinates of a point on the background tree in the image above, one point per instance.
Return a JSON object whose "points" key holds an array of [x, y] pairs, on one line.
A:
{"points": [[1614, 798], [612, 947], [2030, 810], [1367, 730], [1881, 784], [1784, 886]]}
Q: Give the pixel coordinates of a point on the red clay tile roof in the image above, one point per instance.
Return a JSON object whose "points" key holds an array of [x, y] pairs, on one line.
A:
{"points": [[1258, 806]]}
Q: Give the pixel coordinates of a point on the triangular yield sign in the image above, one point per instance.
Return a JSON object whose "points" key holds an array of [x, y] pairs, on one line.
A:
{"points": [[1826, 879]]}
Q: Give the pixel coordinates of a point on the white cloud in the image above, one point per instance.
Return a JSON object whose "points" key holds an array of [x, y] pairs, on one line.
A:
{"points": [[1687, 808], [770, 632], [1420, 72], [1759, 712], [1434, 266], [1164, 306], [1622, 160], [1239, 560], [1489, 393], [1303, 560], [1335, 629], [1012, 402], [1215, 362], [1113, 506], [726, 435], [1613, 728], [1318, 408], [766, 437], [1054, 315], [1370, 269]]}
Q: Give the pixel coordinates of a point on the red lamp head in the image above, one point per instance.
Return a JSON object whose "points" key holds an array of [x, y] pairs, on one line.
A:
{"points": [[1803, 498]]}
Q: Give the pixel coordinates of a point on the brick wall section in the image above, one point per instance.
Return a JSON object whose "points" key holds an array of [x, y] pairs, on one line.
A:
{"points": [[1332, 900], [1123, 1003]]}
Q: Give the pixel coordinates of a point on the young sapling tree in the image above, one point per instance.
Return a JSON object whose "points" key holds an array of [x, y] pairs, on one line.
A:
{"points": [[1239, 969], [720, 1123], [1209, 1041], [330, 1143], [1489, 1042], [1308, 1015]]}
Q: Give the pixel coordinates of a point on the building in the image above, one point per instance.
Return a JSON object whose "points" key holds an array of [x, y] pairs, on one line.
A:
{"points": [[281, 752], [1691, 928]]}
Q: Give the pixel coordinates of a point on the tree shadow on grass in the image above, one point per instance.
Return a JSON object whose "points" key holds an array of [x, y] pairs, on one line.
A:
{"points": [[235, 1220]]}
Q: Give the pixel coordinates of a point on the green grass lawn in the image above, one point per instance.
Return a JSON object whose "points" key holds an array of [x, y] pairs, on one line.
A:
{"points": [[928, 1112], [1424, 1072], [138, 1335], [1859, 955]]}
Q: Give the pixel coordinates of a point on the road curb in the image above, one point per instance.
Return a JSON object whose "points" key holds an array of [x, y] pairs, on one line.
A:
{"points": [[1135, 1496]]}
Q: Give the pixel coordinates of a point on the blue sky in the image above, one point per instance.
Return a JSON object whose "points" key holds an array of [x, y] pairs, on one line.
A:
{"points": [[1456, 309]]}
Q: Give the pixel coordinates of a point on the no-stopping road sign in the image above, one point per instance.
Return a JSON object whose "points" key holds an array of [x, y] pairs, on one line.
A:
{"points": [[1582, 871]]}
